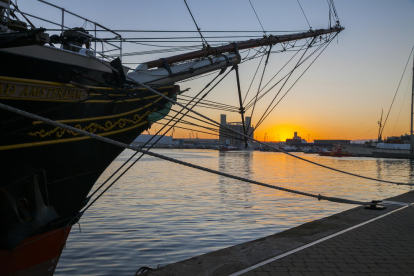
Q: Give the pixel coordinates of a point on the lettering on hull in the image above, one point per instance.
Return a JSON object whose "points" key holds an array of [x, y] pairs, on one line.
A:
{"points": [[18, 90]]}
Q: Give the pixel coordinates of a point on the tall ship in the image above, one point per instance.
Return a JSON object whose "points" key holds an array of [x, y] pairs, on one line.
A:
{"points": [[48, 172]]}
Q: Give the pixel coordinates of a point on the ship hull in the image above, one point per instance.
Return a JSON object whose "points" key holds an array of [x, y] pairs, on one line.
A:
{"points": [[48, 172], [37, 255]]}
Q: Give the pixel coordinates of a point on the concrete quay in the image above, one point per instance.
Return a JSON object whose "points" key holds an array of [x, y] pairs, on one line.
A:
{"points": [[354, 242]]}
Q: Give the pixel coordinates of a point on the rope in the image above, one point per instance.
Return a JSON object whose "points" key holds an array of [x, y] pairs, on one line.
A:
{"points": [[125, 146], [254, 76], [260, 84], [398, 87], [176, 31], [283, 85], [334, 10], [145, 145], [402, 103], [250, 138], [16, 131], [198, 29], [263, 94], [250, 103], [257, 17], [293, 84], [304, 14]]}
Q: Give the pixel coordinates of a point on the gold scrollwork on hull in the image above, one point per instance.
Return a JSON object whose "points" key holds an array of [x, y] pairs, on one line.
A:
{"points": [[92, 127]]}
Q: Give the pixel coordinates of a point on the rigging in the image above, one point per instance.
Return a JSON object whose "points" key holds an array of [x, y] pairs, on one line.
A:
{"points": [[304, 14], [396, 91], [264, 32], [198, 29]]}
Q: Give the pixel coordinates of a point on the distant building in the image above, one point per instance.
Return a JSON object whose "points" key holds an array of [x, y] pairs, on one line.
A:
{"points": [[334, 142], [229, 137], [145, 138], [170, 142], [295, 140]]}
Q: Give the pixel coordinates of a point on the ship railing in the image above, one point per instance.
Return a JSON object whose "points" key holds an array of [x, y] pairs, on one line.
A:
{"points": [[7, 7], [106, 48]]}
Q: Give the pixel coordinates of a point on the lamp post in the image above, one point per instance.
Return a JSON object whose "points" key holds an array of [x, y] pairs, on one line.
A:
{"points": [[308, 139], [264, 138]]}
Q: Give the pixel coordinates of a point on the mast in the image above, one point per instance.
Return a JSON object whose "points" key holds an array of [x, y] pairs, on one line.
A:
{"points": [[242, 45], [236, 67], [412, 99], [379, 140]]}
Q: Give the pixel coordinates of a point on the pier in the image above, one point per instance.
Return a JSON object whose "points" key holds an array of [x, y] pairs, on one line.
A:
{"points": [[358, 241]]}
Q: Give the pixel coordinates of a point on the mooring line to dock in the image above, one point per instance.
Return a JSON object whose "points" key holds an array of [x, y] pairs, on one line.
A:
{"points": [[266, 145], [321, 240], [246, 136], [120, 144]]}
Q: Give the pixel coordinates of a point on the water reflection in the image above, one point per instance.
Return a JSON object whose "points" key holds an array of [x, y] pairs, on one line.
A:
{"points": [[231, 162], [161, 212], [411, 170]]}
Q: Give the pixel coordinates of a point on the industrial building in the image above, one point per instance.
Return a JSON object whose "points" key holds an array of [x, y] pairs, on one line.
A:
{"points": [[229, 137], [149, 140], [295, 140]]}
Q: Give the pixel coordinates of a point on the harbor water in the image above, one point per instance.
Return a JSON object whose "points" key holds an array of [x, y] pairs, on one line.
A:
{"points": [[160, 212]]}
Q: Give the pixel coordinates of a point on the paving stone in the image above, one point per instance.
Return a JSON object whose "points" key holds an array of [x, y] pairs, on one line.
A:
{"points": [[297, 269], [314, 264], [329, 264], [328, 274], [272, 273], [328, 269], [262, 273], [364, 269], [384, 247], [344, 274], [296, 274], [250, 273], [297, 264], [313, 269], [268, 268]]}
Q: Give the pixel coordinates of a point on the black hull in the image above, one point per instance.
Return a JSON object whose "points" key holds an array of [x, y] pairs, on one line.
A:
{"points": [[47, 172], [35, 62]]}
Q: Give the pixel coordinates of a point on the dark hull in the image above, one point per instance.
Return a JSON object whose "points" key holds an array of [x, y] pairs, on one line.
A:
{"points": [[51, 64], [35, 256], [47, 172]]}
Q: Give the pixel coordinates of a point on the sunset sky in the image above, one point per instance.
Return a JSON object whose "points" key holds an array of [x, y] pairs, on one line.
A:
{"points": [[340, 97]]}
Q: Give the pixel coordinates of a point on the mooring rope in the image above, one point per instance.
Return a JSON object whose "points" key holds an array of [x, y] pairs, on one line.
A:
{"points": [[248, 137], [125, 146]]}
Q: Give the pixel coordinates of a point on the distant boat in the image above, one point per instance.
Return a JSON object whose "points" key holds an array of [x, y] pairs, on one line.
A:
{"points": [[336, 152], [399, 151], [309, 151], [289, 149]]}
